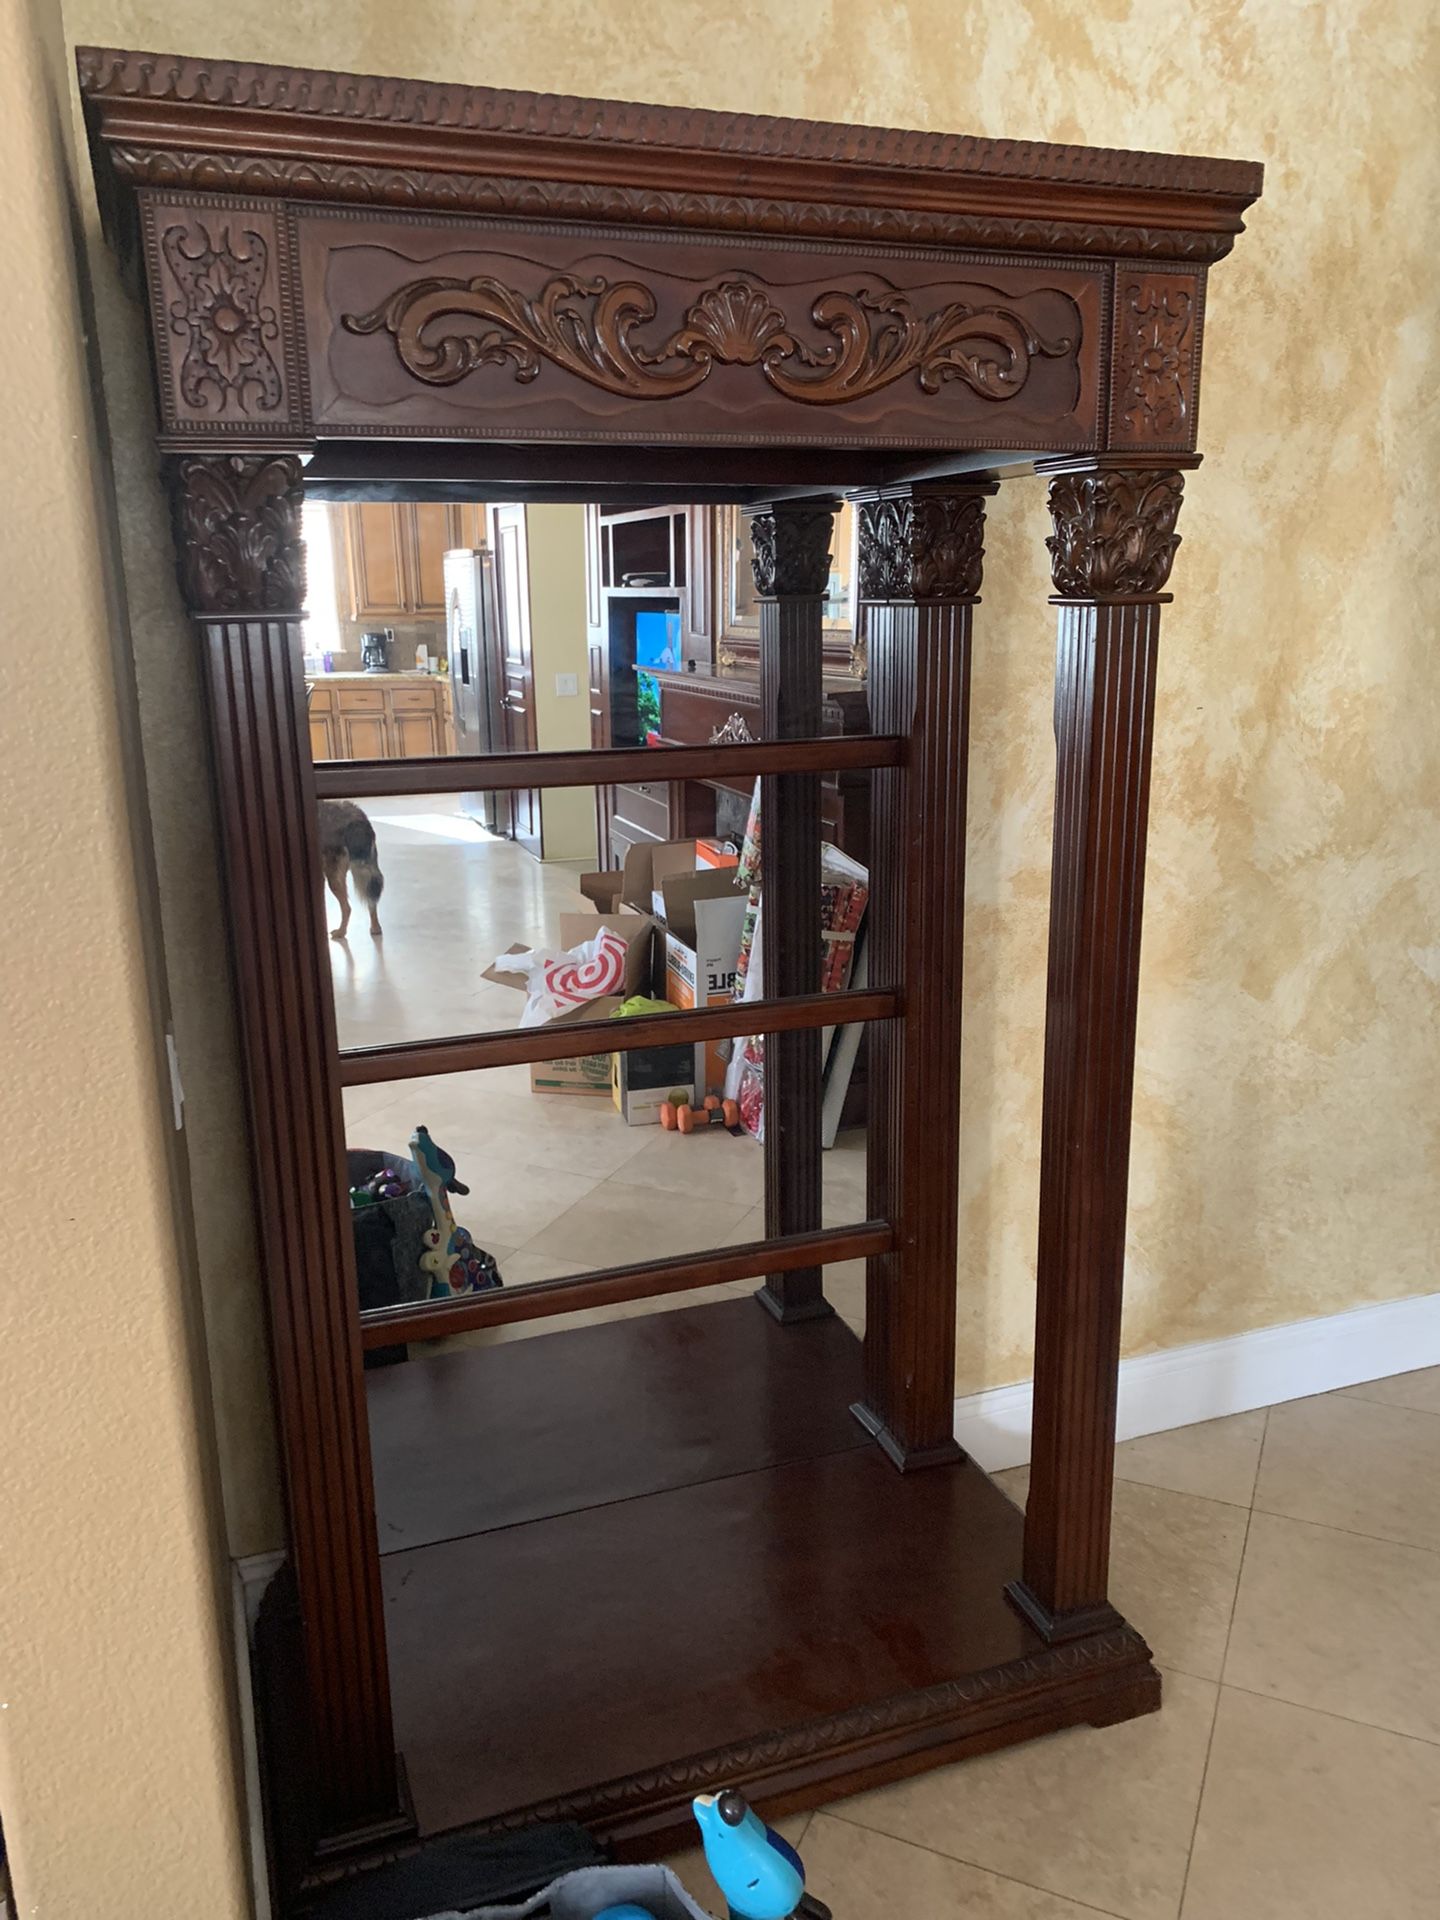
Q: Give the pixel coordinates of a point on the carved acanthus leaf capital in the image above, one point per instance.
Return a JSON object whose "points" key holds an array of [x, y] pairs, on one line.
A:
{"points": [[927, 546], [791, 550], [237, 533], [1114, 531]]}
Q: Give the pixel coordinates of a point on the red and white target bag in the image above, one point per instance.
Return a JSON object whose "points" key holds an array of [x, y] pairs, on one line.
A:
{"points": [[556, 982]]}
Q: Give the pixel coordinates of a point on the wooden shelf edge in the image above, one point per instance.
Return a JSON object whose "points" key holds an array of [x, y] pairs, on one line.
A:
{"points": [[524, 1046], [606, 766], [611, 1286]]}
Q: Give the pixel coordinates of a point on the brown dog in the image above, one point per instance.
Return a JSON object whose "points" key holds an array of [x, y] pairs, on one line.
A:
{"points": [[347, 845]]}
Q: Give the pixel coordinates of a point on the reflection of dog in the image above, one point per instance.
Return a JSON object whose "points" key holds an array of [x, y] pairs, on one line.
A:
{"points": [[347, 845]]}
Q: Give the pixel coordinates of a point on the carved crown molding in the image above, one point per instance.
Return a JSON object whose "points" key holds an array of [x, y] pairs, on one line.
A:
{"points": [[446, 328], [321, 96], [237, 533], [1114, 531], [791, 550], [928, 546], [417, 189]]}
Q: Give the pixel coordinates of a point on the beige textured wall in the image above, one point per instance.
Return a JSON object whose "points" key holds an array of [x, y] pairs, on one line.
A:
{"points": [[117, 1777], [555, 536], [1286, 1127]]}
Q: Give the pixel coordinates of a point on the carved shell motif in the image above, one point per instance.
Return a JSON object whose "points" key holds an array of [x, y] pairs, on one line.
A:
{"points": [[446, 328]]}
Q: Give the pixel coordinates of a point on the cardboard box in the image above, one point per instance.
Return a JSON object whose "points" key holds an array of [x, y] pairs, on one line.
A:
{"points": [[699, 914], [589, 1073], [644, 1078], [704, 920], [584, 1073], [716, 853], [640, 884]]}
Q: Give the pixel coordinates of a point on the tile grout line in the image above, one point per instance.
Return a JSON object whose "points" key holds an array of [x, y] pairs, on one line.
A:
{"points": [[1329, 1713], [1220, 1684], [959, 1860], [1357, 1393], [1351, 1533], [1240, 1506]]}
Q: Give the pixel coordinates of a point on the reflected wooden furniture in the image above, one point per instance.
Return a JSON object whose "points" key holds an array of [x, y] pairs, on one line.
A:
{"points": [[379, 288], [715, 687], [359, 716]]}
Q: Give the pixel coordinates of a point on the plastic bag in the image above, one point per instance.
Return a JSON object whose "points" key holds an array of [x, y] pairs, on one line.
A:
{"points": [[556, 981]]}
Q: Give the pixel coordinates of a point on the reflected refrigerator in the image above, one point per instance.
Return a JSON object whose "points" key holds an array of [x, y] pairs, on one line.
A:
{"points": [[472, 646]]}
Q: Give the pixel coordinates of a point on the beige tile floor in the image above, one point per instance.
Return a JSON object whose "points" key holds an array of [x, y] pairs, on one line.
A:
{"points": [[558, 1184], [1284, 1565]]}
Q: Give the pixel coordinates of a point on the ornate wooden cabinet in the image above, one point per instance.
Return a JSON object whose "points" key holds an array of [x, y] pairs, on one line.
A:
{"points": [[367, 287]]}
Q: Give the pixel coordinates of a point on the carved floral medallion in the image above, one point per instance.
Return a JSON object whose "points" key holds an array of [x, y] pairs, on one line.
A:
{"points": [[223, 318], [1155, 358], [444, 329], [1114, 531]]}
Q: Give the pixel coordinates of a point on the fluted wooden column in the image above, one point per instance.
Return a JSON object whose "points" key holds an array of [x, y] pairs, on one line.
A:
{"points": [[792, 571], [1111, 551], [921, 550], [241, 562]]}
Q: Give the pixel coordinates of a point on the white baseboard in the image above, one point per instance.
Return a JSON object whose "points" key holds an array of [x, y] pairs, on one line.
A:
{"points": [[249, 1579], [1204, 1382], [253, 1575]]}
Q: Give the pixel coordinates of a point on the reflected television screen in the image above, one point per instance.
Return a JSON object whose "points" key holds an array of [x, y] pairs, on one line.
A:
{"points": [[657, 640]]}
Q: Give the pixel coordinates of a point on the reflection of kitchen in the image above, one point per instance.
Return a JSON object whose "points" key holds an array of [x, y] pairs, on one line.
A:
{"points": [[381, 683], [455, 628]]}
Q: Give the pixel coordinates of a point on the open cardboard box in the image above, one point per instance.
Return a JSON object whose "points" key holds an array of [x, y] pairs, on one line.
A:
{"points": [[589, 1073], [700, 914]]}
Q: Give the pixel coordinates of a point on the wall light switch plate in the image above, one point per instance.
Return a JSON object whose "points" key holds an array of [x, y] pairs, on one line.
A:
{"points": [[567, 686]]}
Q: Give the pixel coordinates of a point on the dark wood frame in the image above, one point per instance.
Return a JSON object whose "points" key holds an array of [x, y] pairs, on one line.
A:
{"points": [[1044, 304]]}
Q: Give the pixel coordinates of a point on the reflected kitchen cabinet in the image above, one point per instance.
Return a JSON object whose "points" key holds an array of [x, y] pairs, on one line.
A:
{"points": [[424, 538], [394, 555], [324, 740], [378, 574], [415, 722], [380, 717]]}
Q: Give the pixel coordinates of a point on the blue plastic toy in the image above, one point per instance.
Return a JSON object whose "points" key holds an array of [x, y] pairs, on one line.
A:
{"points": [[759, 1873]]}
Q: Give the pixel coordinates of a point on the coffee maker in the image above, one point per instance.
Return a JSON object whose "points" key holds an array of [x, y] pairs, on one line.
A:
{"points": [[375, 650]]}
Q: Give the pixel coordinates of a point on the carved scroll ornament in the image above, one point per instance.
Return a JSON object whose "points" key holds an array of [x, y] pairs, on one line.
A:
{"points": [[445, 328], [734, 733], [237, 533], [1114, 531], [221, 316], [926, 547]]}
